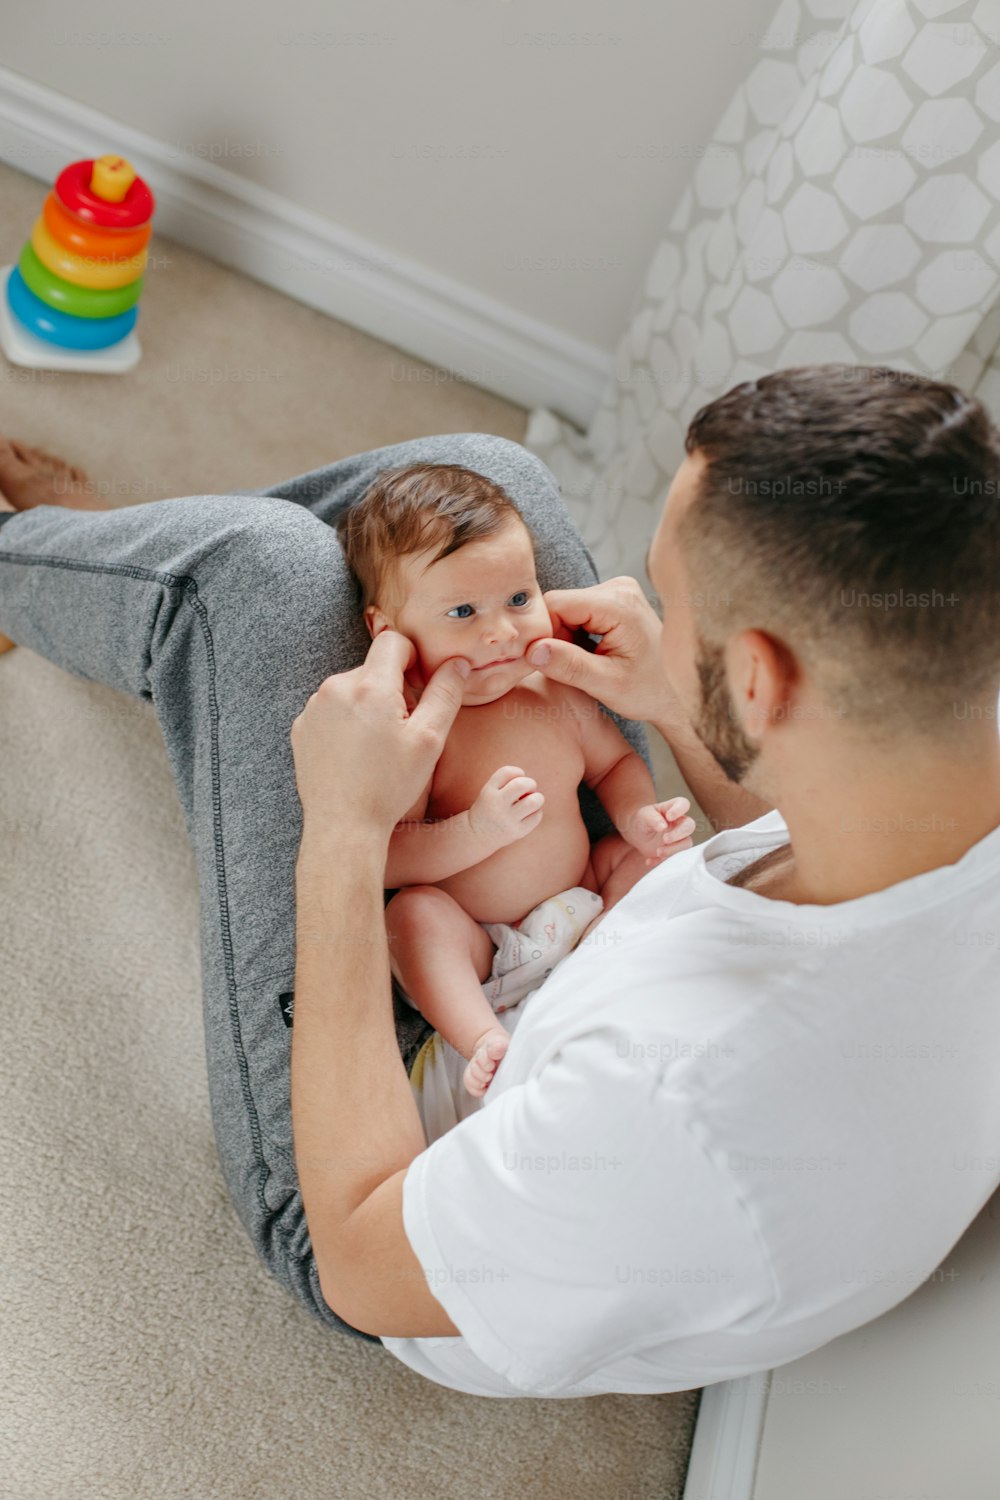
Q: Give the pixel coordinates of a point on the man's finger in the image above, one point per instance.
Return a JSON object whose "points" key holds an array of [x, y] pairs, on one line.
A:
{"points": [[583, 609], [389, 656], [442, 697], [572, 665], [598, 609]]}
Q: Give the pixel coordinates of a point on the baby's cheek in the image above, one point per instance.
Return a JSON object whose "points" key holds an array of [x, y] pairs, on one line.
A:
{"points": [[431, 657]]}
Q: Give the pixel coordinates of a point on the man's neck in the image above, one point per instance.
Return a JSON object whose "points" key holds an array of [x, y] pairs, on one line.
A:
{"points": [[851, 836]]}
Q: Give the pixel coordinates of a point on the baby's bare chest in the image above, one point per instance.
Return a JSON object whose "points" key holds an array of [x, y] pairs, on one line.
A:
{"points": [[540, 737]]}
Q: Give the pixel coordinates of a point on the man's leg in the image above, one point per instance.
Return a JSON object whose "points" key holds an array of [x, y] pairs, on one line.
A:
{"points": [[226, 613]]}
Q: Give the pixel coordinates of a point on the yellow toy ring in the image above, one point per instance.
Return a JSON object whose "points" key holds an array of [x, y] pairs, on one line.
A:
{"points": [[105, 244], [81, 270]]}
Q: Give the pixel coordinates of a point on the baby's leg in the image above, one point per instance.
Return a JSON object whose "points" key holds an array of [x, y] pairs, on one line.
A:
{"points": [[441, 957]]}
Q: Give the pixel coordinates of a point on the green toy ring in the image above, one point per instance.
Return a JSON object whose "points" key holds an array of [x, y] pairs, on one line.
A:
{"points": [[80, 301]]}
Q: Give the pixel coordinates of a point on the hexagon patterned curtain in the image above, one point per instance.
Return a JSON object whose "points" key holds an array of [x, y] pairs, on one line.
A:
{"points": [[847, 208]]}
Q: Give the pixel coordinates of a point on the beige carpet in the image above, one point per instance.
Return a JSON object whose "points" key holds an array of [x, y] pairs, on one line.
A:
{"points": [[144, 1350]]}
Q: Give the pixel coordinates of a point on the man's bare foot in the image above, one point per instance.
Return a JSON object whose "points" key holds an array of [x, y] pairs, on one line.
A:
{"points": [[486, 1057], [30, 477]]}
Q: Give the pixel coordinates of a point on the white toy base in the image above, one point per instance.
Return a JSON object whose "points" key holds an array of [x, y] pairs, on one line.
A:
{"points": [[24, 348]]}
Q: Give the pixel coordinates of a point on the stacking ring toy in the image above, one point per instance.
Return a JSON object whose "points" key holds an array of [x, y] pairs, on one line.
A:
{"points": [[80, 301], [62, 328], [70, 302], [82, 270], [74, 191], [101, 244]]}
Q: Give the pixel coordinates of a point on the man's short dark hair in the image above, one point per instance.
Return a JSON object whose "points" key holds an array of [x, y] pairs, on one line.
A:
{"points": [[854, 511]]}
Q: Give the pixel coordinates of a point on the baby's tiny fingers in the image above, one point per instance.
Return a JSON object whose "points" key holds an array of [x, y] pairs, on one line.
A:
{"points": [[674, 808], [677, 848], [505, 774]]}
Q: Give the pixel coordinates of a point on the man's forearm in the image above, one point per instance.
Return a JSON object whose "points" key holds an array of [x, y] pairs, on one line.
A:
{"points": [[423, 850], [354, 1119], [724, 804]]}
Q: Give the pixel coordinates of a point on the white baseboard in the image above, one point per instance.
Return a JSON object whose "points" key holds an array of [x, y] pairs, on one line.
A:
{"points": [[205, 206], [727, 1440]]}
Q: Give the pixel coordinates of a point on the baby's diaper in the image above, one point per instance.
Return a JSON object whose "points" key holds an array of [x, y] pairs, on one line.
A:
{"points": [[526, 954]]}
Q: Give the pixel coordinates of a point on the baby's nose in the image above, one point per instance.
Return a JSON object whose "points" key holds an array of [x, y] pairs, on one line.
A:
{"points": [[505, 631]]}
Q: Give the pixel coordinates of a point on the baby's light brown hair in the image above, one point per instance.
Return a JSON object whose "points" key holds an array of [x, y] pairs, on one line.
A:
{"points": [[413, 509]]}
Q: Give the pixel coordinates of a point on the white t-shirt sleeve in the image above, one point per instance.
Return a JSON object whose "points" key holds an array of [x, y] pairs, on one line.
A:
{"points": [[575, 1220]]}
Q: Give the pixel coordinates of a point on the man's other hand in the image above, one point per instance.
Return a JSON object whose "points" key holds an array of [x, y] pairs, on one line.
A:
{"points": [[623, 672], [363, 754]]}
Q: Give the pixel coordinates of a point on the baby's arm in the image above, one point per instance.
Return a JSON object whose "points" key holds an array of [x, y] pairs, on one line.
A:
{"points": [[622, 781], [422, 851]]}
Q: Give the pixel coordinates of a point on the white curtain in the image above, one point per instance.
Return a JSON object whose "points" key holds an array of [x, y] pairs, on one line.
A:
{"points": [[847, 208]]}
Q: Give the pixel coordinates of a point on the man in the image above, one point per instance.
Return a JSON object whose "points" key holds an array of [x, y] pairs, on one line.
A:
{"points": [[735, 1133], [729, 1125]]}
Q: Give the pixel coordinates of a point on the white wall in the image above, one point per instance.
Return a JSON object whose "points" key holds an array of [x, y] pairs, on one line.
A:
{"points": [[498, 142]]}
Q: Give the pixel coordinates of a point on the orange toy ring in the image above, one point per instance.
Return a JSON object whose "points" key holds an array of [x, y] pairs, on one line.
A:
{"points": [[85, 239], [74, 192], [84, 270]]}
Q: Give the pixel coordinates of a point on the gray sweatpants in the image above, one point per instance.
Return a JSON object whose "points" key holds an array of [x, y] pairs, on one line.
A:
{"points": [[226, 612]]}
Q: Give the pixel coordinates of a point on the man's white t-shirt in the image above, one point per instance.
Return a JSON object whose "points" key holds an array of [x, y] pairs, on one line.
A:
{"points": [[727, 1130]]}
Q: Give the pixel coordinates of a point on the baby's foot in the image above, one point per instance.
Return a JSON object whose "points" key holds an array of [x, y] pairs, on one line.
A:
{"points": [[486, 1056], [30, 477]]}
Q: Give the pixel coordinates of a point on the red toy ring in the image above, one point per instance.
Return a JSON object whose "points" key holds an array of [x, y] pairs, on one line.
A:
{"points": [[73, 191]]}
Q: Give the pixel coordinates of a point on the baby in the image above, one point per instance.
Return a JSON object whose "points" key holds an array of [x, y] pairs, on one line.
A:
{"points": [[442, 555]]}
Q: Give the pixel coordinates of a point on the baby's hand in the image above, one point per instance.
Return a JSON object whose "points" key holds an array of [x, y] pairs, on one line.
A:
{"points": [[661, 828], [508, 807]]}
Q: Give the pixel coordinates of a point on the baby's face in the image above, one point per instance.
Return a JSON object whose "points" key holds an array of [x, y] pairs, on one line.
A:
{"points": [[482, 602]]}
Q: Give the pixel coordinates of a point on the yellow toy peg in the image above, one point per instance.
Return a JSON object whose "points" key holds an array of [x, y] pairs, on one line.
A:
{"points": [[111, 178]]}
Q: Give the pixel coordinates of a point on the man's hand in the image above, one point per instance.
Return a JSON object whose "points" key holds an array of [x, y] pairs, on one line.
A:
{"points": [[625, 673], [360, 753], [660, 828], [508, 807], [624, 670]]}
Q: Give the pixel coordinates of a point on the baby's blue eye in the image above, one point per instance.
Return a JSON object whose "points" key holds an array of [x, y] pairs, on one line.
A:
{"points": [[460, 606], [521, 594]]}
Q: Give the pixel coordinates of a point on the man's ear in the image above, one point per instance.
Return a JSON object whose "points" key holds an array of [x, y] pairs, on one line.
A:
{"points": [[376, 620], [762, 676]]}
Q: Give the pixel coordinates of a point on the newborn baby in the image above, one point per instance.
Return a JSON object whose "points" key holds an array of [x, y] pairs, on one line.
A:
{"points": [[442, 556]]}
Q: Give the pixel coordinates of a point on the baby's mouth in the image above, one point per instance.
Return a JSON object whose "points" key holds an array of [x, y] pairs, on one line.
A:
{"points": [[502, 661]]}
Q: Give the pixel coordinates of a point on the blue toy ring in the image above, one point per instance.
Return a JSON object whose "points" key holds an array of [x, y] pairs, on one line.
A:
{"points": [[63, 329]]}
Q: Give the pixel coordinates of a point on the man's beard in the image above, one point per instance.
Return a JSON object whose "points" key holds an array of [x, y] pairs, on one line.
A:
{"points": [[717, 725]]}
